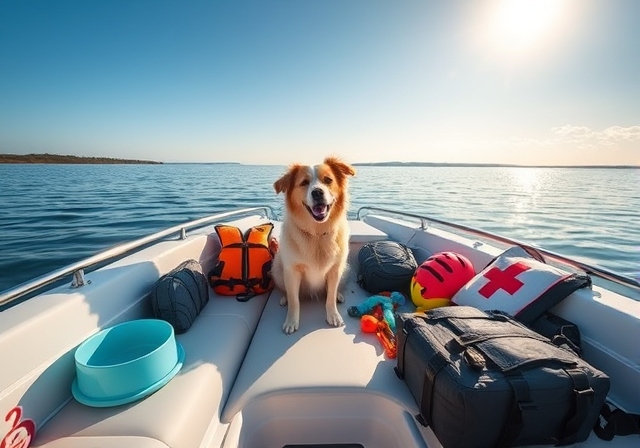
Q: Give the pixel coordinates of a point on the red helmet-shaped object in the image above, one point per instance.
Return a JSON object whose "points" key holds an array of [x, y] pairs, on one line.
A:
{"points": [[442, 275]]}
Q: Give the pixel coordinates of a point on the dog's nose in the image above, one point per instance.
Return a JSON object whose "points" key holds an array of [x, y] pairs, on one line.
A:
{"points": [[317, 194]]}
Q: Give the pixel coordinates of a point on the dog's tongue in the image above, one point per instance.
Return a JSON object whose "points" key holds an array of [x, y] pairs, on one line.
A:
{"points": [[319, 211]]}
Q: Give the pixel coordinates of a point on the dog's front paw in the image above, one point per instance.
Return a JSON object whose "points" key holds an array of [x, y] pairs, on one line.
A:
{"points": [[290, 326], [334, 319], [283, 301]]}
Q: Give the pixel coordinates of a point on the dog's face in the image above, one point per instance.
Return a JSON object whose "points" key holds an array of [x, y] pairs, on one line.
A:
{"points": [[316, 193]]}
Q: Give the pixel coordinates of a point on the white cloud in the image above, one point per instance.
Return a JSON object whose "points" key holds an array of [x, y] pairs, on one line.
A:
{"points": [[586, 137], [566, 145]]}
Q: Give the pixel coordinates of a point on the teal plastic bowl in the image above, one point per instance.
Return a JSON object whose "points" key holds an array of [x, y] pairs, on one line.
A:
{"points": [[126, 362]]}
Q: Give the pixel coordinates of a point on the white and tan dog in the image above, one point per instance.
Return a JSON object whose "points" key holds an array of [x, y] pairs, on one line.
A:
{"points": [[314, 241]]}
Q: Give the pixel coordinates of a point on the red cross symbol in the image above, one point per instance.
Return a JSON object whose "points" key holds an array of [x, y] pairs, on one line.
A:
{"points": [[503, 280]]}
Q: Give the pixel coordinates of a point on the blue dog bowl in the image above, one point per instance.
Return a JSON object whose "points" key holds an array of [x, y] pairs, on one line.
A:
{"points": [[126, 362]]}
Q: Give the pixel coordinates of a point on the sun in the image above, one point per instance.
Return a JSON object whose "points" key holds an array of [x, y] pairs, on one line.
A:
{"points": [[521, 26]]}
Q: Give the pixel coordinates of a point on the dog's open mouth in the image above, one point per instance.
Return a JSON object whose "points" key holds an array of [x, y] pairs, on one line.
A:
{"points": [[319, 212]]}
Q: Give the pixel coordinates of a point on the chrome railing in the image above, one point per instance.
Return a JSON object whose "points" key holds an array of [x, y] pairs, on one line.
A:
{"points": [[547, 255], [77, 269]]}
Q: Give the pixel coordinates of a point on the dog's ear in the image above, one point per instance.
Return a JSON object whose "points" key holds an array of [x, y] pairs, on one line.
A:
{"points": [[285, 183], [339, 166]]}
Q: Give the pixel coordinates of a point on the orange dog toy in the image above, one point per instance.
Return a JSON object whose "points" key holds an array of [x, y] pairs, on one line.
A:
{"points": [[370, 324]]}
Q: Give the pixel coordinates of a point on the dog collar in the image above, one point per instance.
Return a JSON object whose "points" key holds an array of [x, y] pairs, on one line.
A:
{"points": [[312, 235]]}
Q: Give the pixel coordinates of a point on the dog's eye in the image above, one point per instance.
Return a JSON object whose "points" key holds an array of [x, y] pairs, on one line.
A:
{"points": [[304, 183], [327, 180]]}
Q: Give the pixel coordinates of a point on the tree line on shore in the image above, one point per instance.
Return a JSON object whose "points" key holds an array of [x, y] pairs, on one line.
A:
{"points": [[57, 158]]}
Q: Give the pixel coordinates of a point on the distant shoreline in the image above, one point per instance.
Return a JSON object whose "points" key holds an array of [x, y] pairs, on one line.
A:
{"points": [[78, 160], [62, 159], [484, 165]]}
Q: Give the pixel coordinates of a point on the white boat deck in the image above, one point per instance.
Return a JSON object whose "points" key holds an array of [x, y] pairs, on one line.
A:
{"points": [[244, 382], [318, 385]]}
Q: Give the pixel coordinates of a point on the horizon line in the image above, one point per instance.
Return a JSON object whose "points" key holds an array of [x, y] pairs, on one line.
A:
{"points": [[49, 158]]}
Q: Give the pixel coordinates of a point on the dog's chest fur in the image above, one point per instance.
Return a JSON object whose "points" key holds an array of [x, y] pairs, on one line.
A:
{"points": [[315, 255]]}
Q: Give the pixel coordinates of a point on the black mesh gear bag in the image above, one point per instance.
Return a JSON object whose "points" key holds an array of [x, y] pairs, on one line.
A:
{"points": [[179, 296], [386, 266]]}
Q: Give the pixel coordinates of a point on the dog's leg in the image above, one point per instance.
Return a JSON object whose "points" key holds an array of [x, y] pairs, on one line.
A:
{"points": [[333, 280], [292, 281]]}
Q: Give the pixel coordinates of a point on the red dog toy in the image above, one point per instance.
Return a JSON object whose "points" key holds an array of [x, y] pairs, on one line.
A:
{"points": [[369, 324]]}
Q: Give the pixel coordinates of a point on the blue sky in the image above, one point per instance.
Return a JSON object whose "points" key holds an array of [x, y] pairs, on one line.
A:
{"points": [[533, 82]]}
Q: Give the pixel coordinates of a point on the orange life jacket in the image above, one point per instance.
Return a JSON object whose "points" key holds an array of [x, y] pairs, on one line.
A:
{"points": [[244, 263]]}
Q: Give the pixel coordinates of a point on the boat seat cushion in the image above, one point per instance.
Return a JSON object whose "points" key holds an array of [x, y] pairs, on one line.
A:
{"points": [[179, 414], [106, 442], [520, 285]]}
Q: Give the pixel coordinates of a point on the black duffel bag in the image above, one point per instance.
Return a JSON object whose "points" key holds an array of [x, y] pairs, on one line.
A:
{"points": [[386, 266], [179, 296], [482, 379]]}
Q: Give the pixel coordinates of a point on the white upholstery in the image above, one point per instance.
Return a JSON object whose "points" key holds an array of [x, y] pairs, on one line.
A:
{"points": [[179, 414], [106, 442], [315, 358], [188, 409]]}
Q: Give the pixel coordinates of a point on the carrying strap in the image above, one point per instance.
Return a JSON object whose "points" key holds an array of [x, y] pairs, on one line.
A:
{"points": [[436, 363], [520, 405], [399, 368], [616, 423], [523, 403], [584, 396]]}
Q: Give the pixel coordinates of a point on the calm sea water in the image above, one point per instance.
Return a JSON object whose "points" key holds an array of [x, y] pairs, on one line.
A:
{"points": [[53, 215]]}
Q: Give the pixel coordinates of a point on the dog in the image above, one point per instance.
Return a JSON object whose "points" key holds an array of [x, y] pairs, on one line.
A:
{"points": [[314, 241]]}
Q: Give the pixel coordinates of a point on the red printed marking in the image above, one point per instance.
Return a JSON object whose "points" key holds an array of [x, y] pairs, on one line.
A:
{"points": [[505, 280], [21, 433]]}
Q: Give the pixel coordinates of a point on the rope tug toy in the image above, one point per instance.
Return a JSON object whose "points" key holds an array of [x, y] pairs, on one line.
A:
{"points": [[386, 303], [376, 316]]}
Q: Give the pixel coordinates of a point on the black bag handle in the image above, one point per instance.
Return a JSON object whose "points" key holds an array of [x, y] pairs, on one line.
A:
{"points": [[584, 396], [520, 405], [616, 423], [435, 364]]}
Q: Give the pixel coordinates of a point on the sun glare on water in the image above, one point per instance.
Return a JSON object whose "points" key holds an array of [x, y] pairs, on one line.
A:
{"points": [[524, 185], [525, 180]]}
